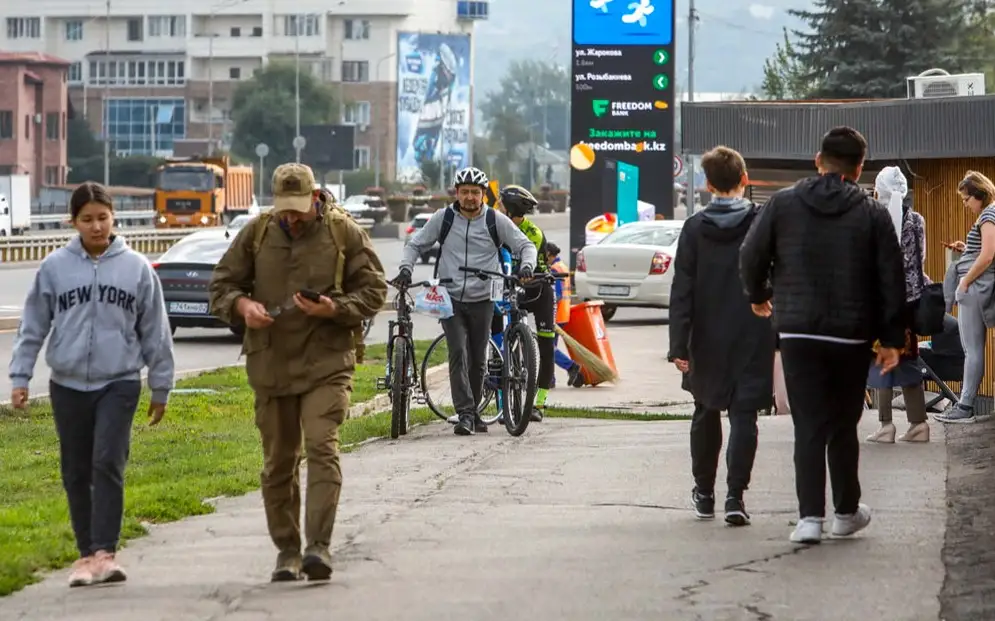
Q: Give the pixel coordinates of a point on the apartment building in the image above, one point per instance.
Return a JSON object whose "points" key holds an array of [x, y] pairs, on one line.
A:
{"points": [[167, 71], [34, 109]]}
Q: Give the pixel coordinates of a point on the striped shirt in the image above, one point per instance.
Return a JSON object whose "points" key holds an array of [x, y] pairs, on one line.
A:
{"points": [[972, 244]]}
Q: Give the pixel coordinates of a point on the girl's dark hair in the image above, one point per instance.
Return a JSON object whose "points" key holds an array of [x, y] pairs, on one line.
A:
{"points": [[88, 192]]}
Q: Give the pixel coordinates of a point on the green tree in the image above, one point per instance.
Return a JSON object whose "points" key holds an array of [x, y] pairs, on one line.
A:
{"points": [[977, 41], [264, 109], [784, 75], [80, 141], [532, 95]]}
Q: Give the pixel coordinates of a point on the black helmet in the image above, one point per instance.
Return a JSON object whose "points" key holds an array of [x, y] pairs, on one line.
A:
{"points": [[517, 201], [470, 176]]}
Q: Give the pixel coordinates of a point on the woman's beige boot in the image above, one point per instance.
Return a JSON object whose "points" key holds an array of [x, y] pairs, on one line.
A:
{"points": [[916, 433], [884, 435]]}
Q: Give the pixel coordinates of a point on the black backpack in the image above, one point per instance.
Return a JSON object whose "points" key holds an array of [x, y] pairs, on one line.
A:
{"points": [[447, 224]]}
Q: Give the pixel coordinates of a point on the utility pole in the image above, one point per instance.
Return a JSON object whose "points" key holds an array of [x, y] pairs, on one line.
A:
{"points": [[104, 108], [692, 22], [297, 81], [210, 84]]}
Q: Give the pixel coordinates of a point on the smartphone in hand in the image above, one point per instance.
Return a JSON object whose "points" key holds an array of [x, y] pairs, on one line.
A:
{"points": [[309, 295]]}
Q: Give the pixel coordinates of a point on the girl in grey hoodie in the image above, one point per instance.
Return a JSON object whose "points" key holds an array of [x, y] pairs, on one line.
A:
{"points": [[100, 305]]}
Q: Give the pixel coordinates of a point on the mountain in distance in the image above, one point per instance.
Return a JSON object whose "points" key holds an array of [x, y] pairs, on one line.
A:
{"points": [[732, 40]]}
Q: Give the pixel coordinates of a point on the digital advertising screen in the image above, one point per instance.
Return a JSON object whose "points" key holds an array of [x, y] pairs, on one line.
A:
{"points": [[622, 111]]}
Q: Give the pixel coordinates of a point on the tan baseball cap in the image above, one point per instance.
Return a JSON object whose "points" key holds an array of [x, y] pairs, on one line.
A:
{"points": [[293, 187]]}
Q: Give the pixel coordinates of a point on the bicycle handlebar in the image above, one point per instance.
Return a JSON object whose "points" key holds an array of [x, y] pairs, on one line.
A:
{"points": [[484, 274], [424, 283]]}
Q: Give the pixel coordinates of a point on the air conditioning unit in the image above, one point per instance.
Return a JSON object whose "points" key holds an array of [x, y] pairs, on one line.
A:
{"points": [[936, 86]]}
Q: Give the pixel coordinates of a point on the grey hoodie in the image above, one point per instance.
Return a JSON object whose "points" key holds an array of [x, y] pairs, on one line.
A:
{"points": [[468, 244], [727, 213], [105, 317]]}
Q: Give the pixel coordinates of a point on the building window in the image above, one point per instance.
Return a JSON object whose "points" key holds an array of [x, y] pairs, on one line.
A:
{"points": [[236, 31], [52, 126], [235, 73], [75, 72], [135, 32], [257, 31], [162, 26], [52, 176], [355, 71], [137, 73], [357, 113], [133, 124], [27, 127], [301, 25], [6, 124], [361, 158], [23, 27], [472, 9], [74, 30], [356, 29]]}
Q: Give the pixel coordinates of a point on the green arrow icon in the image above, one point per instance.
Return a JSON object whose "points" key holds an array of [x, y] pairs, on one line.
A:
{"points": [[660, 82], [661, 57]]}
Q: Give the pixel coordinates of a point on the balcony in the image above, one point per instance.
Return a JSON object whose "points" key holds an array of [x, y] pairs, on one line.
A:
{"points": [[225, 47], [472, 9]]}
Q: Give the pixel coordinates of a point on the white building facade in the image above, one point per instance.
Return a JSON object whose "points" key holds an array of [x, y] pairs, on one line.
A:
{"points": [[167, 70]]}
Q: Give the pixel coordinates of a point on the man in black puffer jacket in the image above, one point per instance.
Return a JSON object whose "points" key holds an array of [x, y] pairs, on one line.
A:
{"points": [[823, 256]]}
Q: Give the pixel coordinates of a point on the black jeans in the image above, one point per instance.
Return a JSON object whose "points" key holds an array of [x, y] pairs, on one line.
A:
{"points": [[468, 332], [94, 430], [826, 383], [706, 444], [540, 302]]}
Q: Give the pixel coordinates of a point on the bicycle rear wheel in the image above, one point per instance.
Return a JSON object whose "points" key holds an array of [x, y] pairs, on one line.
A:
{"points": [[400, 389], [518, 381], [438, 394]]}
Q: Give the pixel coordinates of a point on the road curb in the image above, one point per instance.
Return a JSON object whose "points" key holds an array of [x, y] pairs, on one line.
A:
{"points": [[9, 323], [381, 403]]}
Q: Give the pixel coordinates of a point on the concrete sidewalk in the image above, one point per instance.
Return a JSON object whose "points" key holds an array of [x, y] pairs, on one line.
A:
{"points": [[576, 520]]}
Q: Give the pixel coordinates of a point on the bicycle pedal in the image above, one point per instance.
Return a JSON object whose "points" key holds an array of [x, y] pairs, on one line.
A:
{"points": [[381, 383]]}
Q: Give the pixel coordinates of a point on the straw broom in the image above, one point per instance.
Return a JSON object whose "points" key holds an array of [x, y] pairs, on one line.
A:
{"points": [[589, 360]]}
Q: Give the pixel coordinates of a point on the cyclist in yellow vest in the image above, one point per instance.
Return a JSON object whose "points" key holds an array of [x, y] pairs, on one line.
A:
{"points": [[576, 379]]}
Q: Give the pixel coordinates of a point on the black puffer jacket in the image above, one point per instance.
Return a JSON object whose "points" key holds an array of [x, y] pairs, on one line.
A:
{"points": [[828, 257]]}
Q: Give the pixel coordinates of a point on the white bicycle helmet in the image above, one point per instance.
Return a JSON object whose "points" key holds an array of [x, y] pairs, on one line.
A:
{"points": [[470, 176]]}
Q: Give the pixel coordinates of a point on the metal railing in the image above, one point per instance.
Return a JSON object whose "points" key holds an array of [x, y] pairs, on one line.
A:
{"points": [[152, 241], [119, 216]]}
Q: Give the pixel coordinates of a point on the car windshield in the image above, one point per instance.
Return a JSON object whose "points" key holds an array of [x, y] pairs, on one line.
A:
{"points": [[645, 235], [355, 200], [238, 222], [197, 180], [197, 251]]}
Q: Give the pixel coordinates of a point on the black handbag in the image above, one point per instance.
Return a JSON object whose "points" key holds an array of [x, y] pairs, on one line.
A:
{"points": [[930, 308]]}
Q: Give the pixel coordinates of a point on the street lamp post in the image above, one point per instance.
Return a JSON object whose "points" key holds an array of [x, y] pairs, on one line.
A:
{"points": [[297, 84], [383, 131], [107, 115]]}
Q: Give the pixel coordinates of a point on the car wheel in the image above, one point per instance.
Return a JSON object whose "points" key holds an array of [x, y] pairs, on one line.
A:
{"points": [[172, 329], [608, 311]]}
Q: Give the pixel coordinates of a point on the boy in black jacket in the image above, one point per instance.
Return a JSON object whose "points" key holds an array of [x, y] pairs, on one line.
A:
{"points": [[827, 255], [727, 351]]}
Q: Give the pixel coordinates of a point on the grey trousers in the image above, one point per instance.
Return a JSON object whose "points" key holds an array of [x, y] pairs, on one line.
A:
{"points": [[973, 333], [94, 430], [468, 332]]}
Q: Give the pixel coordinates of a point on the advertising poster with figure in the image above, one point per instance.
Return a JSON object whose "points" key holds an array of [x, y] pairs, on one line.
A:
{"points": [[433, 102]]}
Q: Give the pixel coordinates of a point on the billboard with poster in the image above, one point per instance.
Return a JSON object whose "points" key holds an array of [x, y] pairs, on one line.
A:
{"points": [[433, 102]]}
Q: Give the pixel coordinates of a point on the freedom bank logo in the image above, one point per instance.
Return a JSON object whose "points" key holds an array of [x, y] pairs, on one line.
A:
{"points": [[600, 107], [623, 22]]}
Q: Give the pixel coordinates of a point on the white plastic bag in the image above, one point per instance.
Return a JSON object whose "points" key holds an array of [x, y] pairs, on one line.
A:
{"points": [[434, 301]]}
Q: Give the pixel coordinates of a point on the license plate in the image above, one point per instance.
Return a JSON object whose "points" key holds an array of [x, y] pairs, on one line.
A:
{"points": [[614, 290], [188, 308], [183, 219]]}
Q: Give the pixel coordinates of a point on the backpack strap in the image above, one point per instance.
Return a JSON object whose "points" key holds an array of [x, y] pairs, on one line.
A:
{"points": [[449, 217], [491, 216], [262, 224], [338, 220]]}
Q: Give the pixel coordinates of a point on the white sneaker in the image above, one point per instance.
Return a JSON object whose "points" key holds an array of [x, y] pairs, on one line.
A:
{"points": [[846, 525], [808, 530], [454, 419]]}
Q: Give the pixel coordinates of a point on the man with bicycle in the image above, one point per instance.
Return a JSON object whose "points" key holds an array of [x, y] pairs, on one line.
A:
{"points": [[539, 298], [469, 234]]}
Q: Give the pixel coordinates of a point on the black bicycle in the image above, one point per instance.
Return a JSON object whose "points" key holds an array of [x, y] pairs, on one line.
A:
{"points": [[519, 351], [400, 377]]}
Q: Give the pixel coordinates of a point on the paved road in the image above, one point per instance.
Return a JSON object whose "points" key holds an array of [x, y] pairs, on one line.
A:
{"points": [[200, 349]]}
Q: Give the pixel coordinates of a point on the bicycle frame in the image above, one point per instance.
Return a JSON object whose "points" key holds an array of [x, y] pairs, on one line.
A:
{"points": [[401, 327]]}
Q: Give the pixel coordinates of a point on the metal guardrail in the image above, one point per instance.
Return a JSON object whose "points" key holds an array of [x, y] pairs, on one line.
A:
{"points": [[59, 218], [154, 241]]}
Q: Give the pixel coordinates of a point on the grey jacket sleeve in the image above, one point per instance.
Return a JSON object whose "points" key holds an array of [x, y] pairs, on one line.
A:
{"points": [[422, 241], [155, 337], [513, 237], [36, 322]]}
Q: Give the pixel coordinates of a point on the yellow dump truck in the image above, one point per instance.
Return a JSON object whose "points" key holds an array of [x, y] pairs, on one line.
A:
{"points": [[201, 191]]}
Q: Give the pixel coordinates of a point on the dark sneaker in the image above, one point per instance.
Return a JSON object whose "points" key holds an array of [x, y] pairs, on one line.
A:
{"points": [[704, 505], [464, 427], [479, 425], [957, 414], [575, 377], [317, 563], [536, 415], [288, 567], [736, 514]]}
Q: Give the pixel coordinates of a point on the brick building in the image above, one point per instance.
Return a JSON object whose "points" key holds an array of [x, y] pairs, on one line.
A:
{"points": [[34, 110]]}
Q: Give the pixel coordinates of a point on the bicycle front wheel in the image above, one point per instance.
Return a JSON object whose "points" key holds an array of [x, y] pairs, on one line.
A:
{"points": [[437, 390], [518, 381], [400, 388]]}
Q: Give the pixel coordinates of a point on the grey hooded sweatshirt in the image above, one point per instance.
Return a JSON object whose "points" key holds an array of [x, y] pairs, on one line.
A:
{"points": [[469, 244], [105, 319]]}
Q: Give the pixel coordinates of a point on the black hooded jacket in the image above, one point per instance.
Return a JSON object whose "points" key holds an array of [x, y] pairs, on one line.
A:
{"points": [[827, 256]]}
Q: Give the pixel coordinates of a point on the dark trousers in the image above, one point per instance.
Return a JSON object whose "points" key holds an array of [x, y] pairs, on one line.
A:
{"points": [[826, 383], [94, 429], [706, 444], [468, 332]]}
